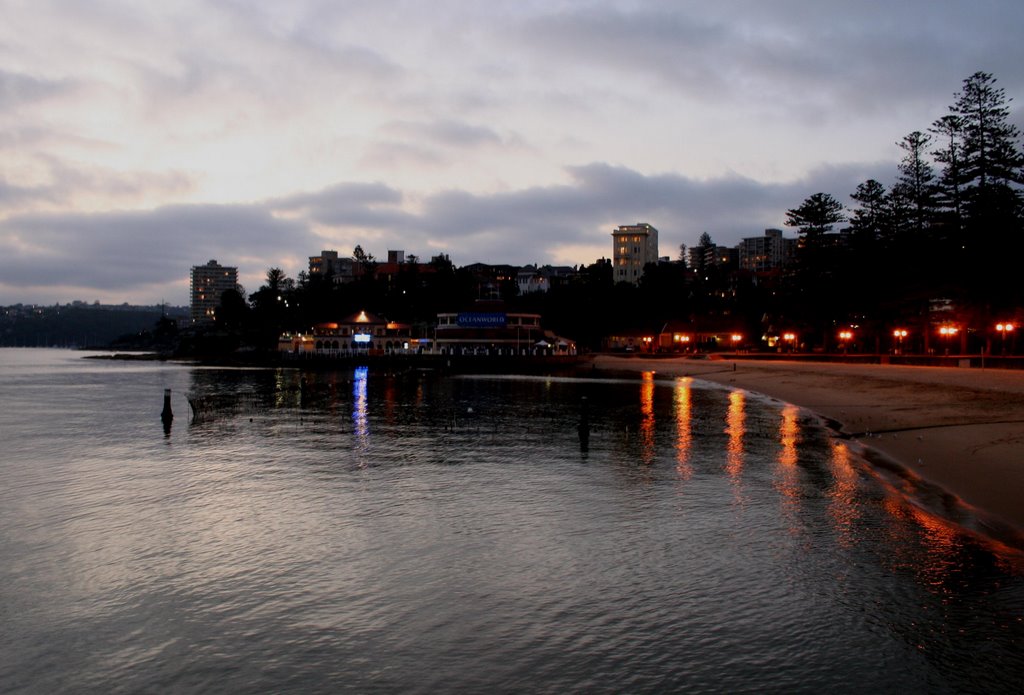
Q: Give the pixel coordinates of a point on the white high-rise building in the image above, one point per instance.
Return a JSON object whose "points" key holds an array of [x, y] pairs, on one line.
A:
{"points": [[633, 247], [207, 284]]}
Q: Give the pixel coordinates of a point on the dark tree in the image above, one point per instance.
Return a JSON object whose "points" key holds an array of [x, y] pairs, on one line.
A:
{"points": [[812, 284], [273, 309], [815, 217], [949, 130], [917, 179], [991, 149], [232, 313], [990, 176], [869, 217], [365, 262]]}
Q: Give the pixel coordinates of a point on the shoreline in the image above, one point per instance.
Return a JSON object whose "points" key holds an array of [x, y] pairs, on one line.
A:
{"points": [[960, 430]]}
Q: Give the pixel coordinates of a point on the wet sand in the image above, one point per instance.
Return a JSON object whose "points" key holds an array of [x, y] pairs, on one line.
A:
{"points": [[961, 429]]}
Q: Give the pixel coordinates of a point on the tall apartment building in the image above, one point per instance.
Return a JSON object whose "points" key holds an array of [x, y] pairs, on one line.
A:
{"points": [[207, 284], [633, 247], [767, 252]]}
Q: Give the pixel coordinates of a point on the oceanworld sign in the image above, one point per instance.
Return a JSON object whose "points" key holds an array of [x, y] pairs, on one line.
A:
{"points": [[477, 320]]}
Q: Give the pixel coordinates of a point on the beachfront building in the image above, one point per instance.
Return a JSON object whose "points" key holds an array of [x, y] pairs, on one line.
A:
{"points": [[707, 334], [491, 331], [361, 333], [633, 247], [207, 284]]}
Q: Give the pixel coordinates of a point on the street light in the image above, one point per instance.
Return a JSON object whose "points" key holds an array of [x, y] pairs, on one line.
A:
{"points": [[790, 340], [1003, 329], [947, 333], [899, 334], [845, 338]]}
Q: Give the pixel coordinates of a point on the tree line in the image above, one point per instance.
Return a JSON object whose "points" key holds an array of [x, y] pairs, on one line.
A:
{"points": [[949, 228]]}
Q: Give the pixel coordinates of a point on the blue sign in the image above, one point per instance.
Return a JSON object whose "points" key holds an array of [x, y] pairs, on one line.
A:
{"points": [[475, 320]]}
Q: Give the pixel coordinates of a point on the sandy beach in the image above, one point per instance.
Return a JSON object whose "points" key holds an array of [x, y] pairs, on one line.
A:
{"points": [[961, 429]]}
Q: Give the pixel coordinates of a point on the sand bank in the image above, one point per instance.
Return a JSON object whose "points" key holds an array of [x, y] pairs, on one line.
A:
{"points": [[961, 429]]}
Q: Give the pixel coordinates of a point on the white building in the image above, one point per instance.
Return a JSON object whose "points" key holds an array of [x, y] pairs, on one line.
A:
{"points": [[633, 247], [208, 283]]}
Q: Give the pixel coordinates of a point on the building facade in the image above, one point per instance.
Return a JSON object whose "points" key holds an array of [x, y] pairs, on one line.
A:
{"points": [[207, 285], [491, 331], [328, 264], [633, 247], [769, 252]]}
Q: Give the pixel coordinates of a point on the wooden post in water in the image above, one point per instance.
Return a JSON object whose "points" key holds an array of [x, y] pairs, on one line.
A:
{"points": [[167, 414]]}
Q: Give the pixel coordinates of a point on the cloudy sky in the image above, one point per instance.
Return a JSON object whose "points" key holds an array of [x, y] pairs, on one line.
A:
{"points": [[140, 138]]}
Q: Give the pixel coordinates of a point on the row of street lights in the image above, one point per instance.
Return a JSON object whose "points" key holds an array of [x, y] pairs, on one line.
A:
{"points": [[947, 332], [846, 336]]}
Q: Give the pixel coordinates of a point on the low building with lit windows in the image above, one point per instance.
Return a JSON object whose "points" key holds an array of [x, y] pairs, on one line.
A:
{"points": [[490, 331], [360, 333]]}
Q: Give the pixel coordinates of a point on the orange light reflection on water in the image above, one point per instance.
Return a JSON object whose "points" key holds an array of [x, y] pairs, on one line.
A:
{"points": [[843, 508], [736, 429], [789, 433], [787, 474], [684, 427], [942, 542], [647, 451]]}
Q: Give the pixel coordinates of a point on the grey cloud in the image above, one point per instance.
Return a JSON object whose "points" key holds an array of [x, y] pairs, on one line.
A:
{"points": [[866, 55], [426, 143], [366, 205], [391, 154], [13, 196], [367, 63], [66, 183], [17, 89], [446, 132], [125, 250]]}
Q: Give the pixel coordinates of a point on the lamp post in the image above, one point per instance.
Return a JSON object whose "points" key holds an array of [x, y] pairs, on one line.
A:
{"points": [[789, 339], [947, 333], [1003, 329], [845, 338], [736, 338], [899, 334]]}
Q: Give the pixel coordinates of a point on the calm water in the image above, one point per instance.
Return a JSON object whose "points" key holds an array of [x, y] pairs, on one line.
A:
{"points": [[362, 532]]}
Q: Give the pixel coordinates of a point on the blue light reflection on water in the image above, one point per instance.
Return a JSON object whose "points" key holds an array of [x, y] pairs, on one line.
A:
{"points": [[386, 532]]}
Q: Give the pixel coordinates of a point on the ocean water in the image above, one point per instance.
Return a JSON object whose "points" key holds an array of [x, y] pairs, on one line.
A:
{"points": [[360, 531]]}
